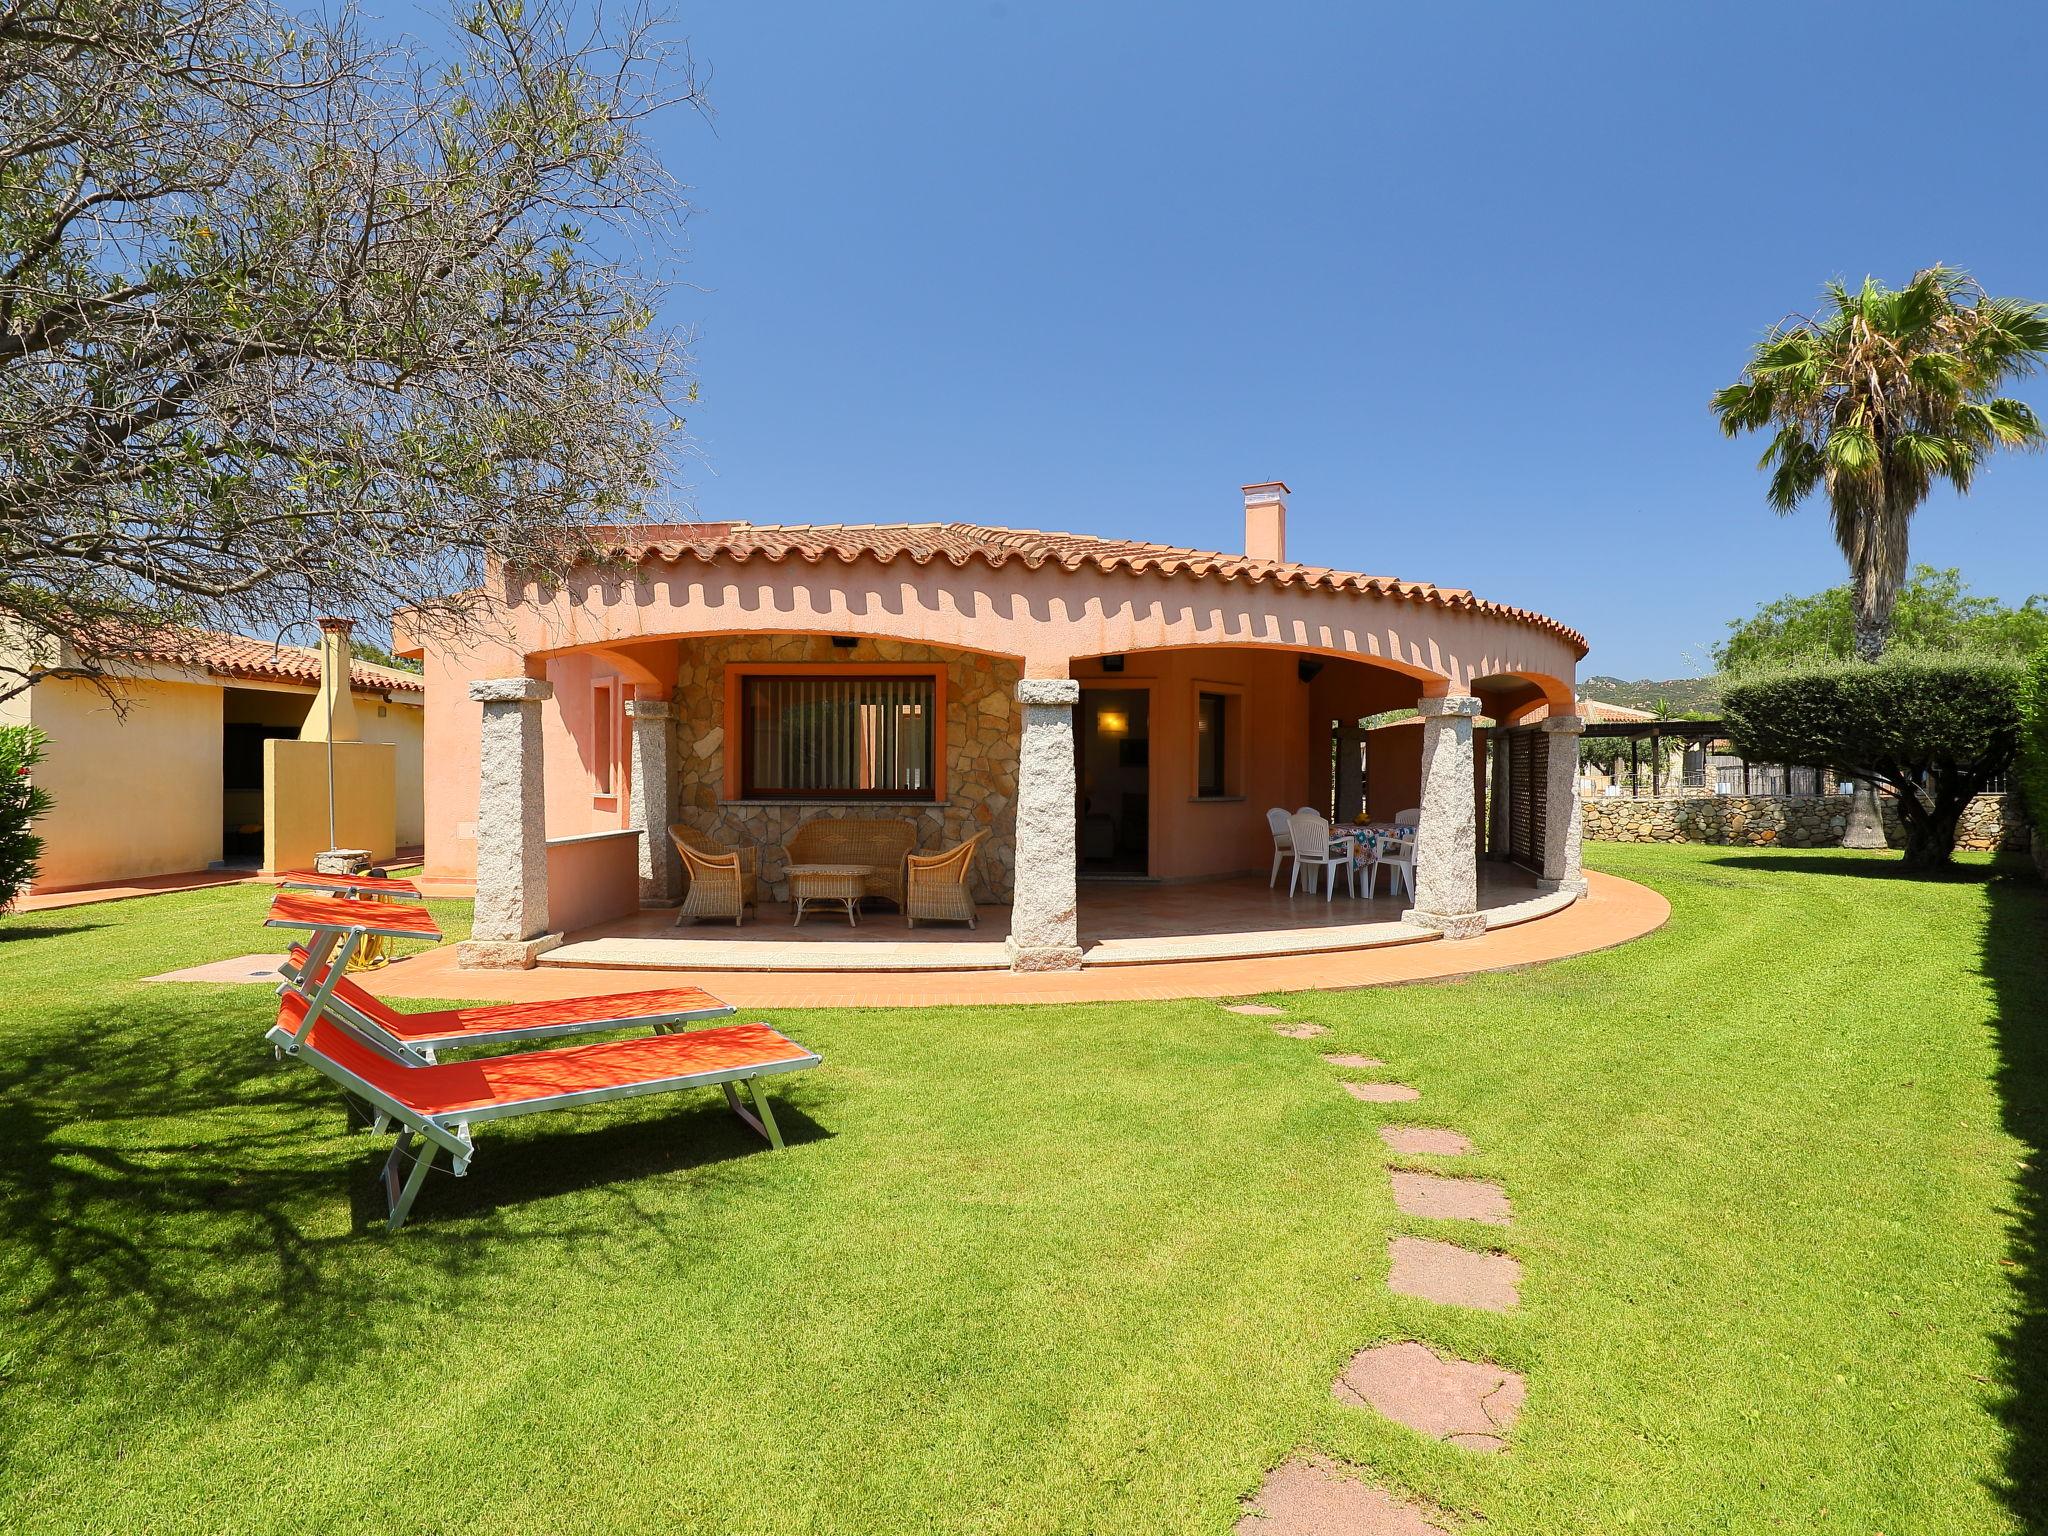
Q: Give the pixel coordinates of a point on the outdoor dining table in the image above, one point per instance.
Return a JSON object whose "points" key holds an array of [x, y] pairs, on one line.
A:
{"points": [[1368, 841]]}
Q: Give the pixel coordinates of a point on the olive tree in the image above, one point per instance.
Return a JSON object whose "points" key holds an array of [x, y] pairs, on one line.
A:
{"points": [[1933, 728], [292, 323]]}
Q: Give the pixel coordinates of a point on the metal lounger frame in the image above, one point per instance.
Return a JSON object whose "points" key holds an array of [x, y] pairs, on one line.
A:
{"points": [[417, 1053], [450, 1132], [330, 947]]}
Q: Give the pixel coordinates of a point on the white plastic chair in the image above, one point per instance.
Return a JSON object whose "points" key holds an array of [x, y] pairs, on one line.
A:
{"points": [[1315, 848], [1399, 858], [1283, 842]]}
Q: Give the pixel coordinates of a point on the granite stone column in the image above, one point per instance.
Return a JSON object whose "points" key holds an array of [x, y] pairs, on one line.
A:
{"points": [[1044, 930], [1563, 819], [510, 928], [1447, 839], [661, 874]]}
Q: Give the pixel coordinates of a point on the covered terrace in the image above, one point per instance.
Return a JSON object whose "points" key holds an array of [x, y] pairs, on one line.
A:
{"points": [[1113, 718]]}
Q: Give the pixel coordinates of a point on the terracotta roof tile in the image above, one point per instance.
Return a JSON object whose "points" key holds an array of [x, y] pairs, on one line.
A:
{"points": [[960, 543], [262, 661]]}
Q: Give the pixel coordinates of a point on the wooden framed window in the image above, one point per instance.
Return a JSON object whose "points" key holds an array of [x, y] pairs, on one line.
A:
{"points": [[1216, 746], [838, 736], [1212, 744], [604, 739]]}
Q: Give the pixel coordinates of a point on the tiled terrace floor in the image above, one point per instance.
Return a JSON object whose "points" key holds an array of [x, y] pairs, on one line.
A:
{"points": [[1122, 923], [1615, 912]]}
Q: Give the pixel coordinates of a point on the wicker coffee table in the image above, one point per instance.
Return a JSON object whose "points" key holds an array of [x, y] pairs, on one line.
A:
{"points": [[843, 883]]}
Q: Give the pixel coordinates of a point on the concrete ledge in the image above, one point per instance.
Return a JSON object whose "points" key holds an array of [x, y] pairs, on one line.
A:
{"points": [[503, 954], [1452, 925], [1050, 958], [1048, 690], [511, 690]]}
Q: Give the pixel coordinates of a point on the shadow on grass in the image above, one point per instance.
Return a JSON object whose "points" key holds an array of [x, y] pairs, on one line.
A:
{"points": [[176, 1206], [671, 1134], [17, 930], [1871, 866], [2016, 964]]}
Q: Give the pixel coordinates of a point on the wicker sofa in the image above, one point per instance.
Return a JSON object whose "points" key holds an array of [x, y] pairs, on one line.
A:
{"points": [[882, 845]]}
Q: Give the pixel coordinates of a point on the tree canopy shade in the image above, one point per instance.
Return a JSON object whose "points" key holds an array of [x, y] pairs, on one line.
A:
{"points": [[1876, 398], [291, 324], [1936, 610], [1934, 728]]}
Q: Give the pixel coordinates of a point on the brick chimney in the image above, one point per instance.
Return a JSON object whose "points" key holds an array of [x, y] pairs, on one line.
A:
{"points": [[1265, 520]]}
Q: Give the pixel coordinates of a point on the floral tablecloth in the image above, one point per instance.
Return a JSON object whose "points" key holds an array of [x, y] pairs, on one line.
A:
{"points": [[1368, 841]]}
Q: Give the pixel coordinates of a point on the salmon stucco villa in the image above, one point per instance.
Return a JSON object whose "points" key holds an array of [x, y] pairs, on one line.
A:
{"points": [[1097, 707]]}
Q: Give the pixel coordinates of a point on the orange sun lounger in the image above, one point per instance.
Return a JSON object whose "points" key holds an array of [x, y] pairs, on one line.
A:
{"points": [[348, 885], [435, 1103], [418, 1038], [435, 1106]]}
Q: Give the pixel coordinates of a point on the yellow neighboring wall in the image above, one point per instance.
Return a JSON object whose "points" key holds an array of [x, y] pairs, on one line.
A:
{"points": [[295, 800], [135, 795]]}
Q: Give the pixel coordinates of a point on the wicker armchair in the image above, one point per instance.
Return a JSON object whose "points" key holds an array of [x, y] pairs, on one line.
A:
{"points": [[722, 880], [937, 884], [880, 845]]}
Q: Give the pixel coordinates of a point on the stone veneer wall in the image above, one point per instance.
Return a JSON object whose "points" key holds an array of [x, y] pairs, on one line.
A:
{"points": [[1781, 821], [980, 740]]}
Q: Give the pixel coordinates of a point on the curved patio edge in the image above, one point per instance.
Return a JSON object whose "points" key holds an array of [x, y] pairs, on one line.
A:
{"points": [[1613, 912]]}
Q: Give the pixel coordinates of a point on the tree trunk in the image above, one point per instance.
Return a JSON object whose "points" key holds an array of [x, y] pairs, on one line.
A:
{"points": [[1930, 830], [1866, 819], [1870, 633]]}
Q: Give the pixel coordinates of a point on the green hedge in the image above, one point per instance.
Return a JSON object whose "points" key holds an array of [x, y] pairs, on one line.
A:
{"points": [[2033, 766], [1932, 727]]}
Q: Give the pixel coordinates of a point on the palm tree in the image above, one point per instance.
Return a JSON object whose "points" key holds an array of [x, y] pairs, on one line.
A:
{"points": [[1876, 398]]}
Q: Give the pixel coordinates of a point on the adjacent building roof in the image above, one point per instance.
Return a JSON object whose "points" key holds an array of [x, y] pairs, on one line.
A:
{"points": [[1599, 712], [961, 543], [233, 656]]}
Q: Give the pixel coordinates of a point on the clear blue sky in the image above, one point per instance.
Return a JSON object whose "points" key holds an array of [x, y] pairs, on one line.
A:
{"points": [[1464, 276]]}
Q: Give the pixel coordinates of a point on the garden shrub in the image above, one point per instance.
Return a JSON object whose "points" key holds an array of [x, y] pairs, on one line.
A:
{"points": [[21, 748], [1932, 727], [2033, 759]]}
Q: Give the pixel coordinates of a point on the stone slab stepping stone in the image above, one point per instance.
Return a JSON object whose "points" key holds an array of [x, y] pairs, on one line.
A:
{"points": [[245, 970], [1299, 1031], [1449, 1199], [1383, 1093], [1460, 1401], [1354, 1061], [1453, 1276], [1255, 1010], [1424, 1141], [1313, 1496]]}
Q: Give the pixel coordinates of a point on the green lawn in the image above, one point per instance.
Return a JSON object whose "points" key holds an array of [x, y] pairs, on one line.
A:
{"points": [[1084, 1269]]}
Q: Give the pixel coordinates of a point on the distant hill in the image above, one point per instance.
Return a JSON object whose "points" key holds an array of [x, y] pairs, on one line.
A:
{"points": [[1682, 693]]}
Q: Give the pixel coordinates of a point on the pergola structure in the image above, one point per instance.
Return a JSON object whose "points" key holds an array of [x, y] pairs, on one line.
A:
{"points": [[679, 680]]}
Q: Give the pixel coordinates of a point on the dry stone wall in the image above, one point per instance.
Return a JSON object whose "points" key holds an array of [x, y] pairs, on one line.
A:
{"points": [[981, 738], [1780, 821]]}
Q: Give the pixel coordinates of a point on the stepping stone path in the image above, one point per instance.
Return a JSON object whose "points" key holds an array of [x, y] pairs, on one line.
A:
{"points": [[1424, 1141], [1313, 1496], [1466, 1403], [1256, 1010], [1453, 1276], [1447, 1199], [1382, 1093], [1459, 1401]]}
